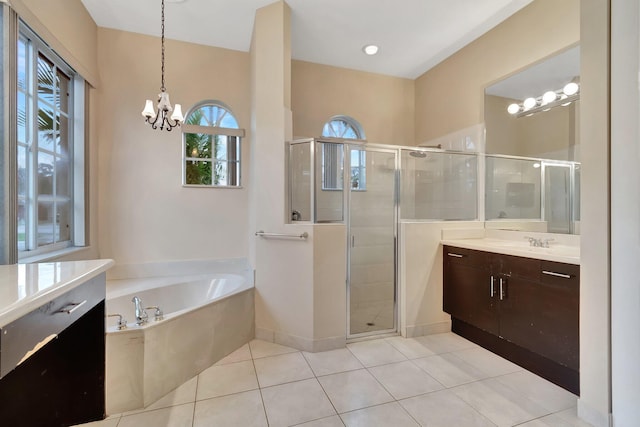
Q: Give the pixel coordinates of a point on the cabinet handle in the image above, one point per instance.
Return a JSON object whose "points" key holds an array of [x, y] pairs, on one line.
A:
{"points": [[501, 289], [553, 273], [72, 307], [492, 291], [455, 255]]}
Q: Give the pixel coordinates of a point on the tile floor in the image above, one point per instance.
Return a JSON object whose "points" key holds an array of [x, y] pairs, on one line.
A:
{"points": [[438, 380]]}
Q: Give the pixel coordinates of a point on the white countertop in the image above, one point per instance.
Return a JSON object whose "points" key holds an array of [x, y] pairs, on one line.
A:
{"points": [[25, 287], [568, 254]]}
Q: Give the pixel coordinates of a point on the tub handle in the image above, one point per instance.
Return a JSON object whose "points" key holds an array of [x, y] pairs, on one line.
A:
{"points": [[122, 322], [158, 315]]}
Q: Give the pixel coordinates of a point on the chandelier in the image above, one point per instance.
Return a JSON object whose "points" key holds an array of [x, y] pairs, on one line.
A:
{"points": [[164, 116]]}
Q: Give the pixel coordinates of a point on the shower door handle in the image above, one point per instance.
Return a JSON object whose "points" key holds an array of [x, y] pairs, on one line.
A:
{"points": [[353, 241]]}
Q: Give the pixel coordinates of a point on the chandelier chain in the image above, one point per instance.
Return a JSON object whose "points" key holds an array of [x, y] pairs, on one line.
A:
{"points": [[162, 88]]}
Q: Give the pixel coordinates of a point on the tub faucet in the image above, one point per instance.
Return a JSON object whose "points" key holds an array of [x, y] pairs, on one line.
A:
{"points": [[141, 314]]}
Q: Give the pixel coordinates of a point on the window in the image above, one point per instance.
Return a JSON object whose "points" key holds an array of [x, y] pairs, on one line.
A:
{"points": [[211, 139], [50, 160], [346, 128]]}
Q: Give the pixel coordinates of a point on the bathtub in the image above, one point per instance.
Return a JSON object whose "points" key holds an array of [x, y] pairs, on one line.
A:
{"points": [[206, 317]]}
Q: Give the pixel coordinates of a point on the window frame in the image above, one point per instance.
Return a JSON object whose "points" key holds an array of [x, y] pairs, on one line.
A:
{"points": [[31, 146], [358, 135], [234, 134]]}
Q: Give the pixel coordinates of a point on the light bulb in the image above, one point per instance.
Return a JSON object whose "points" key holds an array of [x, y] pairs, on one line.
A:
{"points": [[536, 165], [571, 88], [529, 103], [513, 108], [548, 97]]}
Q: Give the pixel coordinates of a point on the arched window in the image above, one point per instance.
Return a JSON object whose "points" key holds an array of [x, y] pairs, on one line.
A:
{"points": [[211, 146], [344, 127]]}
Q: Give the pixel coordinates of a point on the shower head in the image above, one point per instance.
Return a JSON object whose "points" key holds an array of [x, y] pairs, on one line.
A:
{"points": [[418, 154]]}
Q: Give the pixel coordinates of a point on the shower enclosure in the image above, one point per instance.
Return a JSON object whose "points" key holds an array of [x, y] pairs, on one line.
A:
{"points": [[336, 181]]}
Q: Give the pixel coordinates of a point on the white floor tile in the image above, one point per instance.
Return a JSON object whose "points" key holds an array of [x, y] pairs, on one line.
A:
{"points": [[240, 355], [445, 343], [449, 370], [332, 362], [242, 409], [444, 409], [332, 421], [295, 403], [389, 414], [404, 379], [539, 390], [353, 390], [488, 362], [220, 380], [261, 348], [571, 416], [282, 369], [410, 347], [175, 416], [377, 352], [499, 403]]}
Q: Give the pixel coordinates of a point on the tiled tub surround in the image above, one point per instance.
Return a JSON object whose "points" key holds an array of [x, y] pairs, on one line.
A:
{"points": [[437, 380], [206, 317]]}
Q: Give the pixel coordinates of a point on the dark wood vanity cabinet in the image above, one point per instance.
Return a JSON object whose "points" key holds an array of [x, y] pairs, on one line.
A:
{"points": [[524, 309]]}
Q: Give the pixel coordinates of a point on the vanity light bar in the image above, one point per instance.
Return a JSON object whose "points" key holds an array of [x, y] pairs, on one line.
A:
{"points": [[550, 99]]}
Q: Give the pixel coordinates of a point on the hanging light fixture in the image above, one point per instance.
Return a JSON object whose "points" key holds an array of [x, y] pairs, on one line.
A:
{"points": [[164, 116]]}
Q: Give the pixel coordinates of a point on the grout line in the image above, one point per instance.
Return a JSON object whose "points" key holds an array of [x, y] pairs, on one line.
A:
{"points": [[195, 400], [264, 407]]}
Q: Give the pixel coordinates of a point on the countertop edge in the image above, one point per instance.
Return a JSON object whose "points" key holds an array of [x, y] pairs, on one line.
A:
{"points": [[525, 253], [22, 307]]}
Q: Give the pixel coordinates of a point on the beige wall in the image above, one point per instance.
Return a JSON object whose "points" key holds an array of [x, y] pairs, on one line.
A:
{"points": [[145, 213], [383, 105], [450, 96]]}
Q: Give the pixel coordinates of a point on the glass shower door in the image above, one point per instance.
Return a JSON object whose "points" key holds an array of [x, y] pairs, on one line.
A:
{"points": [[372, 240]]}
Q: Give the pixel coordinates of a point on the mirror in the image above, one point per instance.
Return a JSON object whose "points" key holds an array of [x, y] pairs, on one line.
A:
{"points": [[533, 147]]}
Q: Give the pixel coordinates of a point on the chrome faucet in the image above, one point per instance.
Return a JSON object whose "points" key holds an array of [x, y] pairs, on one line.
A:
{"points": [[141, 314], [538, 243]]}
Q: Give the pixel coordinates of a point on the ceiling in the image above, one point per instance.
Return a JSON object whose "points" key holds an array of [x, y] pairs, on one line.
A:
{"points": [[413, 35]]}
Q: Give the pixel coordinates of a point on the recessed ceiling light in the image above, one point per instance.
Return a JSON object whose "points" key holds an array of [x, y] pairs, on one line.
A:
{"points": [[370, 49]]}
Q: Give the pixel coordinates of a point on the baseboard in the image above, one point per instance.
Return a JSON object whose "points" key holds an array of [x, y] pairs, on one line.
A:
{"points": [[427, 329], [300, 343], [593, 416]]}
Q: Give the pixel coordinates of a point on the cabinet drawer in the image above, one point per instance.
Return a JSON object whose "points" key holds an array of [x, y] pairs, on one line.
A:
{"points": [[28, 333], [559, 274], [465, 256], [527, 268]]}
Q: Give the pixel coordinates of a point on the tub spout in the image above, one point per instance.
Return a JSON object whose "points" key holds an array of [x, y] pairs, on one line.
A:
{"points": [[141, 314]]}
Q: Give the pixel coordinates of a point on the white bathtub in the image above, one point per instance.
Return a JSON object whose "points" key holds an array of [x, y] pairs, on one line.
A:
{"points": [[206, 317], [174, 295]]}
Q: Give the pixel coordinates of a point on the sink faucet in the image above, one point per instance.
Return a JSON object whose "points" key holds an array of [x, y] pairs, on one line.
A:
{"points": [[538, 243], [141, 314]]}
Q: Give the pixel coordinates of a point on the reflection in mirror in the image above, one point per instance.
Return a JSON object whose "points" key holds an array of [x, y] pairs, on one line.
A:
{"points": [[532, 194], [535, 113]]}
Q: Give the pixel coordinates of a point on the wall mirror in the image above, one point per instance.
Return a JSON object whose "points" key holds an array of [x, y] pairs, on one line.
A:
{"points": [[533, 147]]}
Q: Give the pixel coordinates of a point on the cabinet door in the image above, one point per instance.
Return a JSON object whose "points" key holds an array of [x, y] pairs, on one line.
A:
{"points": [[542, 315], [467, 291]]}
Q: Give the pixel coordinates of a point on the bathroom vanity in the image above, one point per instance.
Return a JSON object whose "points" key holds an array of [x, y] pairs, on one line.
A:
{"points": [[52, 345], [524, 307]]}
